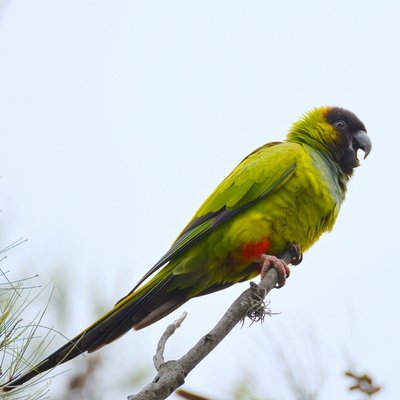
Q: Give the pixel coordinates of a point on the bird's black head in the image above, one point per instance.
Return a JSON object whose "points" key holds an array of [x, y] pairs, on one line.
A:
{"points": [[352, 136]]}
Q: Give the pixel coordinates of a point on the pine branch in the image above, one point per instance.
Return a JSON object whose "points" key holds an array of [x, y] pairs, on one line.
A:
{"points": [[172, 374]]}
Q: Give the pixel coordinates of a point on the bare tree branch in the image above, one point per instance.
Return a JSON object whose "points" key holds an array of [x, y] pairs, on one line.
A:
{"points": [[172, 374], [158, 358]]}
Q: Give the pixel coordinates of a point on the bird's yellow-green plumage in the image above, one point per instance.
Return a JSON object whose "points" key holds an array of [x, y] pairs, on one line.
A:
{"points": [[283, 192]]}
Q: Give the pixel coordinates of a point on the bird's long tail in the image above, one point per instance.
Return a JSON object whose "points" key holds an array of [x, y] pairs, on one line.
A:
{"points": [[139, 309]]}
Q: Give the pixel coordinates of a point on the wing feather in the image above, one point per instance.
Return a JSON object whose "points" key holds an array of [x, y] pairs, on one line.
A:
{"points": [[259, 174]]}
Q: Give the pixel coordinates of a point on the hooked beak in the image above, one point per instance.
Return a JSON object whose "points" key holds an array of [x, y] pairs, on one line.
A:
{"points": [[360, 140]]}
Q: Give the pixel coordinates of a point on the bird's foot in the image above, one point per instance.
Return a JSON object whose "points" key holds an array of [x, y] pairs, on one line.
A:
{"points": [[267, 261], [294, 248]]}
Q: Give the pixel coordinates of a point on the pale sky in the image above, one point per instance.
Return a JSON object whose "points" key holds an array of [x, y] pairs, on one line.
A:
{"points": [[118, 119]]}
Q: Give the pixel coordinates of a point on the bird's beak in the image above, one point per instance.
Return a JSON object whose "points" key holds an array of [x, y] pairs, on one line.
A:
{"points": [[360, 140]]}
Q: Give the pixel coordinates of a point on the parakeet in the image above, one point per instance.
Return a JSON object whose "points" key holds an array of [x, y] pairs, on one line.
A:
{"points": [[282, 194]]}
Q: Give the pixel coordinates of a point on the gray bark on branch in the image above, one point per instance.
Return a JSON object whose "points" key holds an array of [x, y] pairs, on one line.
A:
{"points": [[172, 374]]}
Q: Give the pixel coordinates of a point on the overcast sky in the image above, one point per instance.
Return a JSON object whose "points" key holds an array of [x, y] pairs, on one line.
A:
{"points": [[117, 119]]}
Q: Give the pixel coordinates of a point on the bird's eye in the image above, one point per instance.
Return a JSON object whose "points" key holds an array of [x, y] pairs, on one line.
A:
{"points": [[340, 125]]}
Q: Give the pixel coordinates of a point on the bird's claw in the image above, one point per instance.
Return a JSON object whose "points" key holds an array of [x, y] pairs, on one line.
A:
{"points": [[267, 261], [294, 248]]}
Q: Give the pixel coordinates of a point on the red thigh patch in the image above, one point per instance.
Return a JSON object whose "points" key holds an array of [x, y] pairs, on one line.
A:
{"points": [[254, 250]]}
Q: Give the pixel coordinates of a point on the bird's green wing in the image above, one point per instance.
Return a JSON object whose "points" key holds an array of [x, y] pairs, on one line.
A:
{"points": [[259, 174]]}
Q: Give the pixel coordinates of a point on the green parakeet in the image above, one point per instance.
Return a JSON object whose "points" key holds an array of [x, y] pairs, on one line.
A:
{"points": [[283, 193]]}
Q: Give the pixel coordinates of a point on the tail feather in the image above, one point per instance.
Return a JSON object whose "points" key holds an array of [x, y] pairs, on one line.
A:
{"points": [[141, 308], [135, 311]]}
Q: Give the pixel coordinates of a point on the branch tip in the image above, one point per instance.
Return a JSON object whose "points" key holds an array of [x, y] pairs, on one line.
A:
{"points": [[158, 358]]}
